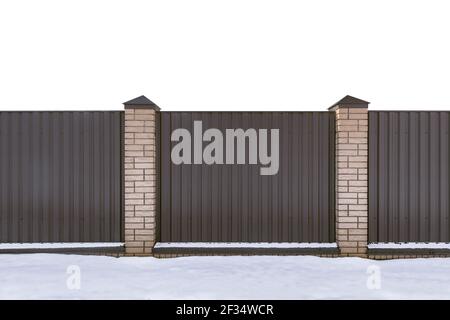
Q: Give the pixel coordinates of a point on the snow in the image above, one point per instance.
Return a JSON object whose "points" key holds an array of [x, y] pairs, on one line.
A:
{"points": [[45, 276], [59, 245], [243, 245], [409, 245]]}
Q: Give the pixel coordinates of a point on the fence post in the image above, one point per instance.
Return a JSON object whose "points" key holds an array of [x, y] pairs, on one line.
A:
{"points": [[351, 175], [140, 175]]}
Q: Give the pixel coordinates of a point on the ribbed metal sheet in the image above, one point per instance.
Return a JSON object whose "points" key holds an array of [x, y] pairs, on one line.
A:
{"points": [[213, 203], [409, 176], [60, 176]]}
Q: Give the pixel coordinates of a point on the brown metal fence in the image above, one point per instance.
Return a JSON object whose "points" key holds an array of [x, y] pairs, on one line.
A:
{"points": [[232, 202], [61, 179], [409, 176], [60, 176]]}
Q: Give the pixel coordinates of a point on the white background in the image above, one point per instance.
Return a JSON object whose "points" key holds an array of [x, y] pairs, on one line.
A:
{"points": [[224, 55]]}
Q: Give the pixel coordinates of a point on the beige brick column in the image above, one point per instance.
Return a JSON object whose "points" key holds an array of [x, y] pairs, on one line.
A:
{"points": [[351, 175], [140, 175]]}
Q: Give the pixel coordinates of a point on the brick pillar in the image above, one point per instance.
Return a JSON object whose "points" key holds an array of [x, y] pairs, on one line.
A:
{"points": [[351, 175], [140, 172]]}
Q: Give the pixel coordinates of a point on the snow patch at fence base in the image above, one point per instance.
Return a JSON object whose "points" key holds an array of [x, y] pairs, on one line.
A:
{"points": [[409, 245], [269, 245], [60, 245]]}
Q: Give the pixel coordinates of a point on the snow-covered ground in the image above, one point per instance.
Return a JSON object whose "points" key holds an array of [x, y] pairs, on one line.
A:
{"points": [[56, 276]]}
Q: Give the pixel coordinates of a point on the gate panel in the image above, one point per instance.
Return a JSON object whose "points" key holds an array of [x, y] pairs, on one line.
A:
{"points": [[60, 177], [234, 203], [409, 176]]}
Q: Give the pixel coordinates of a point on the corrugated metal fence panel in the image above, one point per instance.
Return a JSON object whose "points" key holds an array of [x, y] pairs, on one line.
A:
{"points": [[60, 176], [409, 176], [234, 202]]}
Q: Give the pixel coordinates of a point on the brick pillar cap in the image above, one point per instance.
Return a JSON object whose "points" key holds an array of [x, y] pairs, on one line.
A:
{"points": [[349, 102], [141, 102]]}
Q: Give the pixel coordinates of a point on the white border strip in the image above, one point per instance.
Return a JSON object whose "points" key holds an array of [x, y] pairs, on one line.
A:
{"points": [[409, 245], [59, 245], [270, 245]]}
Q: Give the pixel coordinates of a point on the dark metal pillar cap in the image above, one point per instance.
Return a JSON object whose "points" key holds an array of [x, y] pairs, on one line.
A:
{"points": [[141, 102], [349, 102]]}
